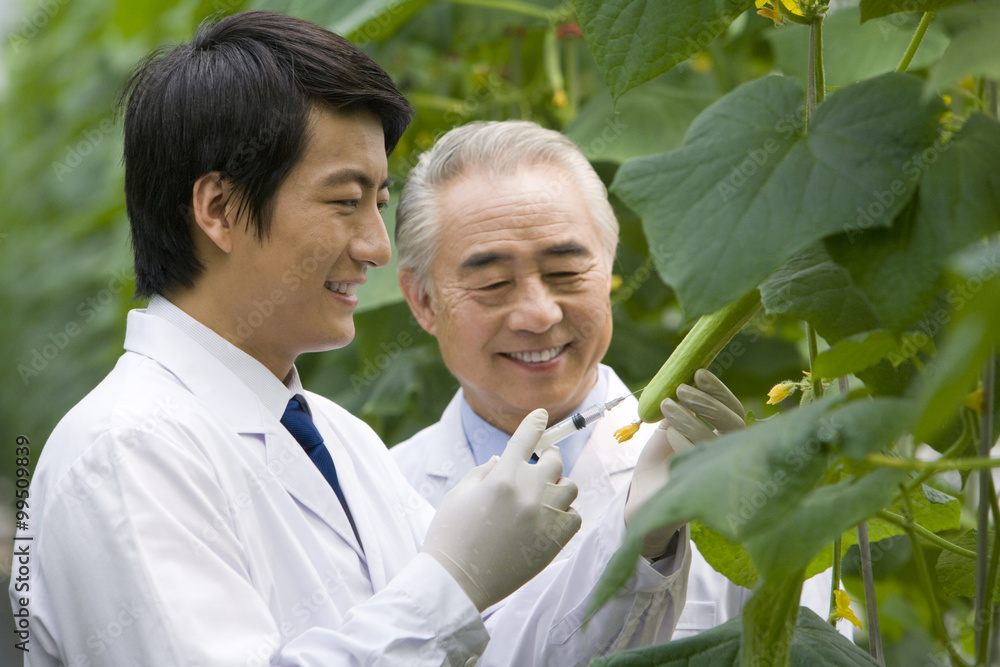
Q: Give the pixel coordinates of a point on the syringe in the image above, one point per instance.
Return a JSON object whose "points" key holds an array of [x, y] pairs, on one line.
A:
{"points": [[573, 423]]}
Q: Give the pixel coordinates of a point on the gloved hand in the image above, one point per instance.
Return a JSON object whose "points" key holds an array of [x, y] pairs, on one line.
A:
{"points": [[681, 428], [506, 520]]}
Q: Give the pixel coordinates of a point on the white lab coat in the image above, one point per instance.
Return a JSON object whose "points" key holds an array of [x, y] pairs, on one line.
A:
{"points": [[176, 522], [436, 458]]}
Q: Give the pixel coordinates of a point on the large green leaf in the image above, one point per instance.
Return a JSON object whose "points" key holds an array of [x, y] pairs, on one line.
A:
{"points": [[812, 287], [957, 574], [873, 9], [974, 294], [854, 354], [648, 120], [852, 51], [815, 642], [818, 519], [749, 188], [727, 558], [899, 269], [634, 41]]}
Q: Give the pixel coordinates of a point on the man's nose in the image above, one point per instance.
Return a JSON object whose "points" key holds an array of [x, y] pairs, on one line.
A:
{"points": [[535, 308]]}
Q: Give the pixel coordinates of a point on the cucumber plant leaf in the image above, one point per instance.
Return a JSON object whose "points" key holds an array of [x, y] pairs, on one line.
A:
{"points": [[634, 41], [749, 188]]}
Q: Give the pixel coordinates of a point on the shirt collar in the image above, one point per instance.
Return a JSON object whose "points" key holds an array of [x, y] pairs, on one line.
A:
{"points": [[487, 440], [272, 392]]}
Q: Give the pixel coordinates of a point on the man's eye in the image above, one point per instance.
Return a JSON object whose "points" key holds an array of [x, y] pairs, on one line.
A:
{"points": [[563, 275], [348, 203], [494, 286], [382, 205]]}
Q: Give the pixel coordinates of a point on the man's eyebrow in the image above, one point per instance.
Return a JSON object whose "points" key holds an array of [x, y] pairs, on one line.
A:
{"points": [[350, 175], [481, 259], [569, 248]]}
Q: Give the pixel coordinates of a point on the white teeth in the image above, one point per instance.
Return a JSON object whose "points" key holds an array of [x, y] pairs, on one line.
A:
{"points": [[536, 357], [343, 288]]}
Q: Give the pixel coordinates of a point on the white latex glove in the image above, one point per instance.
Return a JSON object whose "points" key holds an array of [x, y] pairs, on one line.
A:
{"points": [[681, 428], [506, 520]]}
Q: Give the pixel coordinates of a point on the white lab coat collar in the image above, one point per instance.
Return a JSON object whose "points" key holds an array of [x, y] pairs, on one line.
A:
{"points": [[227, 396]]}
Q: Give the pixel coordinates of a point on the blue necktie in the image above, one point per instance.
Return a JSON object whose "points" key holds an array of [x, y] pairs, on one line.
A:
{"points": [[300, 424]]}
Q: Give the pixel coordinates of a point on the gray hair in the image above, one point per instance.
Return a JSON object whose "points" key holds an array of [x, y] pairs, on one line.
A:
{"points": [[497, 148]]}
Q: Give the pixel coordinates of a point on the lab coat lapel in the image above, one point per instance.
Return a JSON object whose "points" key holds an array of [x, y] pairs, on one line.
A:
{"points": [[450, 457], [353, 486], [235, 403], [303, 480]]}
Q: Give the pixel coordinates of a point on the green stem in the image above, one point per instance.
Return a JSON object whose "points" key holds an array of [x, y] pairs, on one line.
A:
{"points": [[820, 74], [987, 499], [911, 50], [915, 464], [814, 379], [508, 5], [769, 622], [925, 583], [871, 608], [933, 538]]}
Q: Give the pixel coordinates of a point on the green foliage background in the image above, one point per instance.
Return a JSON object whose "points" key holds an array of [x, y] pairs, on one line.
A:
{"points": [[64, 251]]}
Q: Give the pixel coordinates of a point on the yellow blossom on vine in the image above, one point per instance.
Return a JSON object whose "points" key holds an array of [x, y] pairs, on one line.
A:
{"points": [[559, 98], [772, 10], [779, 392], [625, 433], [974, 401], [616, 282], [844, 608], [701, 63]]}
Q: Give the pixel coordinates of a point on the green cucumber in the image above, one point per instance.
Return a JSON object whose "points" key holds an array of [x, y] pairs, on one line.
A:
{"points": [[698, 349]]}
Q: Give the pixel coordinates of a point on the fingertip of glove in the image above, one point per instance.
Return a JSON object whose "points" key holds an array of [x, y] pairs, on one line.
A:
{"points": [[539, 416]]}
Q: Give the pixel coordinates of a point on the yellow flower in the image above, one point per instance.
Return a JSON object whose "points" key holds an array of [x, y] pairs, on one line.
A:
{"points": [[779, 392], [626, 432], [772, 10], [616, 282], [559, 98], [701, 63], [844, 608], [975, 401]]}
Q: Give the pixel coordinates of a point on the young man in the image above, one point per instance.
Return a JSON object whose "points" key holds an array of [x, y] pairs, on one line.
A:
{"points": [[506, 243], [199, 507]]}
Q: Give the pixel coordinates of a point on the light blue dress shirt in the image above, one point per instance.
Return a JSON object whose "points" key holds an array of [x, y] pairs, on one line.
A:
{"points": [[487, 440]]}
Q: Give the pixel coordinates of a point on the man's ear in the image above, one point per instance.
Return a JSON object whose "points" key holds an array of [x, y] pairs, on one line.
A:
{"points": [[209, 209], [419, 300]]}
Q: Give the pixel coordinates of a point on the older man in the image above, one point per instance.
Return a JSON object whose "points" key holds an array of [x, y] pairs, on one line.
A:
{"points": [[506, 243]]}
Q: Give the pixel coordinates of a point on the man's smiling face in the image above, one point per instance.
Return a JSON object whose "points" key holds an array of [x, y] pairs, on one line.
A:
{"points": [[520, 292]]}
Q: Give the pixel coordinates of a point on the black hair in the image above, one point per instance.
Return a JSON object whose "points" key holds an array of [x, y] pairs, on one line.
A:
{"points": [[235, 100]]}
